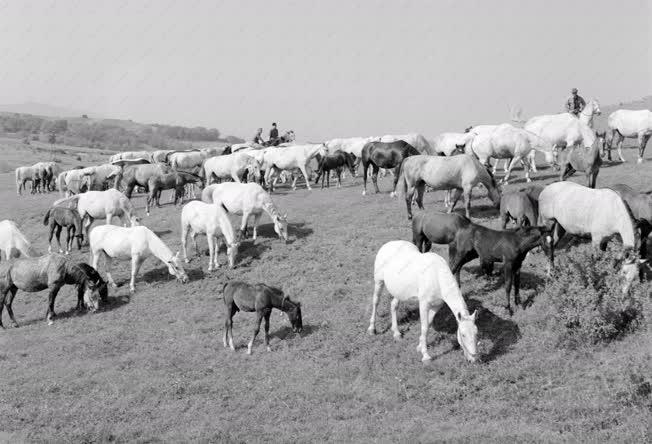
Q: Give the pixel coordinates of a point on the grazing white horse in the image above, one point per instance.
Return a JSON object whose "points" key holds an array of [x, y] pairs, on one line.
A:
{"points": [[288, 158], [101, 204], [76, 179], [448, 143], [627, 123], [416, 140], [247, 199], [231, 166], [508, 142], [185, 160], [408, 274], [565, 130], [599, 213], [135, 243], [14, 243], [201, 218], [351, 145]]}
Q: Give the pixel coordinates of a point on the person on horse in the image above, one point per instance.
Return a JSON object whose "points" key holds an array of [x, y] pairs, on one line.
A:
{"points": [[575, 103], [258, 138], [273, 134]]}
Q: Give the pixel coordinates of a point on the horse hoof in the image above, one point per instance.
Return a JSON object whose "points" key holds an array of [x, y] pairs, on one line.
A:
{"points": [[186, 260], [132, 290], [50, 322], [364, 192], [426, 358], [639, 160], [269, 349], [398, 336], [371, 331]]}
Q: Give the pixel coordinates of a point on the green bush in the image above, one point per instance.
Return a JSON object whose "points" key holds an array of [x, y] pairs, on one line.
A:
{"points": [[587, 302]]}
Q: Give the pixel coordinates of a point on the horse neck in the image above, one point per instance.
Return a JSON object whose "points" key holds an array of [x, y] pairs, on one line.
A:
{"points": [[270, 208], [158, 248], [484, 176], [282, 302], [75, 273], [626, 226], [312, 151], [451, 294]]}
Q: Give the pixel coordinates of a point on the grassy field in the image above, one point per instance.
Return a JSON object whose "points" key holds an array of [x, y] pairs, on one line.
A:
{"points": [[151, 367]]}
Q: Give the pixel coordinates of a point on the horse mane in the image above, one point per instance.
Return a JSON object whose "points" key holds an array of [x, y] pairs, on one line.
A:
{"points": [[76, 272]]}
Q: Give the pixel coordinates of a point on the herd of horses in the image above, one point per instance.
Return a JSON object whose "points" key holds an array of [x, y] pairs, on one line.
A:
{"points": [[239, 179]]}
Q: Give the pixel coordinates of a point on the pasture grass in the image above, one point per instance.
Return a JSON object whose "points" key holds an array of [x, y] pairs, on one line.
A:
{"points": [[151, 367]]}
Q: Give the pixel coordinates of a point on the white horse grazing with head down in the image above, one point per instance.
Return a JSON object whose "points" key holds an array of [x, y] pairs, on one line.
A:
{"points": [[565, 130], [508, 142], [14, 243], [131, 155], [248, 199], [201, 218], [418, 141], [93, 205], [135, 243], [448, 143], [627, 123], [288, 158], [407, 274], [232, 166], [571, 208]]}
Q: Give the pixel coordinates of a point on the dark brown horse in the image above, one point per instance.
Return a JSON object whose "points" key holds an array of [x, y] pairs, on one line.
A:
{"points": [[641, 205], [173, 180], [384, 155], [51, 271], [581, 159], [336, 161], [508, 247], [435, 227], [240, 296]]}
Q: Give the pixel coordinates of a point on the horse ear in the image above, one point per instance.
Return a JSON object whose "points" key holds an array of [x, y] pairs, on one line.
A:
{"points": [[474, 315]]}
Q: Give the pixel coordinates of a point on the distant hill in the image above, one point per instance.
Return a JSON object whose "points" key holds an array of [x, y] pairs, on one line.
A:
{"points": [[41, 109], [58, 125]]}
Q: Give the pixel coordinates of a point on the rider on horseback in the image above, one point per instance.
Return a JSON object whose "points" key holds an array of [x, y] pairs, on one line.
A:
{"points": [[575, 103], [273, 134], [258, 138]]}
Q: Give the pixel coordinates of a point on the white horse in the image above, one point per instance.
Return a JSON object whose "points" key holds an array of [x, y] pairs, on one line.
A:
{"points": [[135, 243], [288, 158], [101, 204], [416, 140], [14, 243], [448, 143], [565, 130], [231, 166], [131, 155], [627, 123], [408, 274], [201, 218], [571, 208], [247, 199], [26, 174], [186, 160], [76, 179], [509, 142]]}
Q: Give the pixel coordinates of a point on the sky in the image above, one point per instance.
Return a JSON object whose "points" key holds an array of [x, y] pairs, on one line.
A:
{"points": [[323, 68]]}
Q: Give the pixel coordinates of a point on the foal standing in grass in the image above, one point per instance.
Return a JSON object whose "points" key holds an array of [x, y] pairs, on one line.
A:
{"points": [[240, 296], [59, 217]]}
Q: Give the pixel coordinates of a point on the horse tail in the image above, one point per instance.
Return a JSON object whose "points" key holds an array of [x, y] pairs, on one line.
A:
{"points": [[220, 294], [47, 217]]}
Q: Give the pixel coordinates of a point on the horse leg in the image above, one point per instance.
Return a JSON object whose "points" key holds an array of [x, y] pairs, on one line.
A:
{"points": [[107, 262], [642, 142], [509, 169], [193, 237], [243, 224], [52, 228], [184, 240], [256, 220], [378, 290], [456, 196], [517, 284], [409, 194], [70, 235], [267, 316], [421, 189], [509, 276], [621, 139], [328, 178], [339, 177], [392, 308], [374, 177], [365, 170], [87, 221], [397, 170], [259, 320], [58, 235], [136, 262], [305, 176], [424, 317], [8, 301], [211, 238], [467, 202], [51, 297]]}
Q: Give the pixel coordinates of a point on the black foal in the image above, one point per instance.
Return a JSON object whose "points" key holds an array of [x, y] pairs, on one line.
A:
{"points": [[59, 217], [240, 296], [336, 161], [508, 247]]}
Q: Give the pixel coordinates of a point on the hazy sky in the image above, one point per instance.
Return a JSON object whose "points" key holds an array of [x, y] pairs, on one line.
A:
{"points": [[325, 69]]}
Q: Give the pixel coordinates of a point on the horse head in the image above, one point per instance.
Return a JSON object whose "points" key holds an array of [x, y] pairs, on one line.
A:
{"points": [[294, 314], [232, 250], [630, 267], [467, 335], [92, 295], [281, 226], [176, 269]]}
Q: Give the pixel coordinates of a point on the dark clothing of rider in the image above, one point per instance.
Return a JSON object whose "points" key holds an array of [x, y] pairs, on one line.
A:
{"points": [[273, 133], [575, 104]]}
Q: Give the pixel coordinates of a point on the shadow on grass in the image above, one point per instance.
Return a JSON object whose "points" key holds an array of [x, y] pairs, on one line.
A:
{"points": [[112, 303], [286, 331], [161, 274], [162, 232]]}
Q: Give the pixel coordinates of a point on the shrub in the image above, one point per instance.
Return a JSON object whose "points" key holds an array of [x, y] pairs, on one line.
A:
{"points": [[587, 302]]}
